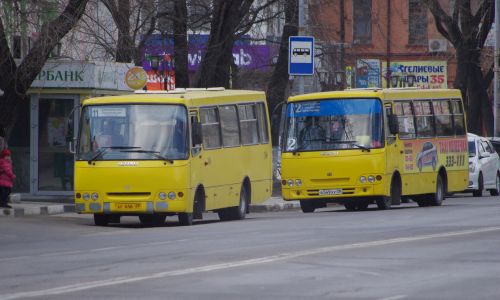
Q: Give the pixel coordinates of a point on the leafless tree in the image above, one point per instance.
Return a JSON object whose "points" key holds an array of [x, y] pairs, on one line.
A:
{"points": [[278, 84], [467, 30], [15, 80]]}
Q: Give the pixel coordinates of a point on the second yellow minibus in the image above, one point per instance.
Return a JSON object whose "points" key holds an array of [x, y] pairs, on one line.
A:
{"points": [[382, 146]]}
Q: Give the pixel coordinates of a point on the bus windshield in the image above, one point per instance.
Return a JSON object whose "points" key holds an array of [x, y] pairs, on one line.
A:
{"points": [[133, 131], [331, 124]]}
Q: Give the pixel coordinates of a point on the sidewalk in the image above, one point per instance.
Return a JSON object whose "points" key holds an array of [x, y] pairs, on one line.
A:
{"points": [[47, 206]]}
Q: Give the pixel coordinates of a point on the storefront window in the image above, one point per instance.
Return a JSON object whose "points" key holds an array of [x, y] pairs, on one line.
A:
{"points": [[55, 162]]}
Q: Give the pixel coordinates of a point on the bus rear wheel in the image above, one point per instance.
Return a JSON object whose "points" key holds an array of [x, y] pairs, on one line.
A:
{"points": [[236, 212], [436, 199]]}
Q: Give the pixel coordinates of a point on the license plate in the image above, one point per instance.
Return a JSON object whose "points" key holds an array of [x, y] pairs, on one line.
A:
{"points": [[128, 206], [330, 192]]}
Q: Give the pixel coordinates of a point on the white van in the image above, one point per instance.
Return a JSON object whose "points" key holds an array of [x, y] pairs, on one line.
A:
{"points": [[484, 166]]}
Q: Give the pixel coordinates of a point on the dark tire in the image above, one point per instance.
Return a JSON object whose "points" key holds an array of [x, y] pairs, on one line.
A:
{"points": [[114, 219], [101, 220], [395, 197], [185, 219], [496, 190], [307, 206], [237, 212], [422, 202], [350, 206], [436, 198], [152, 220], [384, 203], [480, 187], [362, 205]]}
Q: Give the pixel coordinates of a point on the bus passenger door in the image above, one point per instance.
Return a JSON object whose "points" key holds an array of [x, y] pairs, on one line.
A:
{"points": [[202, 154], [393, 149]]}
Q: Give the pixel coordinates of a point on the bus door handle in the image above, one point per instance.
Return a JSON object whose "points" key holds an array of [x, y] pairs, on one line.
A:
{"points": [[208, 161]]}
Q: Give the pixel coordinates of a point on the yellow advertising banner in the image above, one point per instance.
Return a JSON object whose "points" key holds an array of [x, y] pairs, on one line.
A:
{"points": [[426, 155], [430, 74]]}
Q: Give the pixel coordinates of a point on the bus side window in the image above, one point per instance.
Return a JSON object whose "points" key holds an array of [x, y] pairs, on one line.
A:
{"points": [[458, 117], [404, 111], [248, 124], [262, 122], [210, 128], [196, 135], [424, 118], [442, 112]]}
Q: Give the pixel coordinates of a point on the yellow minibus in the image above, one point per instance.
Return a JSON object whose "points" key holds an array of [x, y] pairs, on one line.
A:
{"points": [[383, 146], [183, 152]]}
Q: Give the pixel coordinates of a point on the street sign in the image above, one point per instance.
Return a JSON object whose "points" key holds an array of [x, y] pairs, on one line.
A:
{"points": [[301, 55]]}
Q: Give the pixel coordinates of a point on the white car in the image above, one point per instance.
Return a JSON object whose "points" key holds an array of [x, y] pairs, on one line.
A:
{"points": [[484, 166]]}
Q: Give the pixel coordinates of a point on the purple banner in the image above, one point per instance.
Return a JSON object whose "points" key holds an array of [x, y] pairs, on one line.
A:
{"points": [[245, 56]]}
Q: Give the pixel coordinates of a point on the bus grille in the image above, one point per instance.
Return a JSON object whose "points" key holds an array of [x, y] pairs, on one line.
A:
{"points": [[128, 196], [345, 191], [324, 181]]}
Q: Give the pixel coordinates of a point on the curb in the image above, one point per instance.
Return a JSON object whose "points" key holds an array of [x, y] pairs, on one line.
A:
{"points": [[55, 209], [37, 210], [274, 207]]}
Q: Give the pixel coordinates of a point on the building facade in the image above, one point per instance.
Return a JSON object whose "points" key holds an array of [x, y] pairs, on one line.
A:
{"points": [[368, 43]]}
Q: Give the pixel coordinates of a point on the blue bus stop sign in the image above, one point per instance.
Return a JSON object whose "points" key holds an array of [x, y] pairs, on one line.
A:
{"points": [[301, 55]]}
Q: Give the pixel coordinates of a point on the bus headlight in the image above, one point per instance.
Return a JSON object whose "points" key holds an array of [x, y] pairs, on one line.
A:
{"points": [[86, 196], [162, 196], [290, 182], [171, 195], [298, 182], [362, 179], [371, 179], [95, 196]]}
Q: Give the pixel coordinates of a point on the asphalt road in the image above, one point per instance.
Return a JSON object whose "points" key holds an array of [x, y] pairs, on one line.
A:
{"points": [[408, 252]]}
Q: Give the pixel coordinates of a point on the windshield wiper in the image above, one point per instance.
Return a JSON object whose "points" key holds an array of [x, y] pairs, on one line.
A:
{"points": [[353, 143], [363, 148], [101, 151], [153, 153]]}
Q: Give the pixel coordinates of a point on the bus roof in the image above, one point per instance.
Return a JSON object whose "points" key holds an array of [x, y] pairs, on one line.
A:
{"points": [[189, 97], [389, 94]]}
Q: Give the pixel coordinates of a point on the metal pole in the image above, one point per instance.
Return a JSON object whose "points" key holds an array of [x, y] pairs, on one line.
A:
{"points": [[301, 32], [496, 70]]}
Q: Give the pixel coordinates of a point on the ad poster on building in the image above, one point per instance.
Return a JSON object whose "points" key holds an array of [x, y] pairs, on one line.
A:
{"points": [[367, 73], [431, 74]]}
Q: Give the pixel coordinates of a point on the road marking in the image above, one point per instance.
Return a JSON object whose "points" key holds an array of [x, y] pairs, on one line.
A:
{"points": [[76, 252], [398, 297], [255, 261]]}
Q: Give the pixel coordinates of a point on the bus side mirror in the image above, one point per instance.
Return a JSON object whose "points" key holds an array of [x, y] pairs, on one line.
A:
{"points": [[393, 124], [196, 134]]}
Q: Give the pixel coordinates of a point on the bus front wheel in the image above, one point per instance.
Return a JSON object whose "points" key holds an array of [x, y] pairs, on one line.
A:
{"points": [[101, 220], [307, 206]]}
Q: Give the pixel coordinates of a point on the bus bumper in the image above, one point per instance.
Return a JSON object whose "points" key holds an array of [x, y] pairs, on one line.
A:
{"points": [[132, 206], [332, 194]]}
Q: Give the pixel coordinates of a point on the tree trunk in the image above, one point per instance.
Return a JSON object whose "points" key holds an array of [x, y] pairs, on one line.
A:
{"points": [[180, 44], [16, 80], [125, 46], [470, 80], [278, 84], [215, 65]]}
